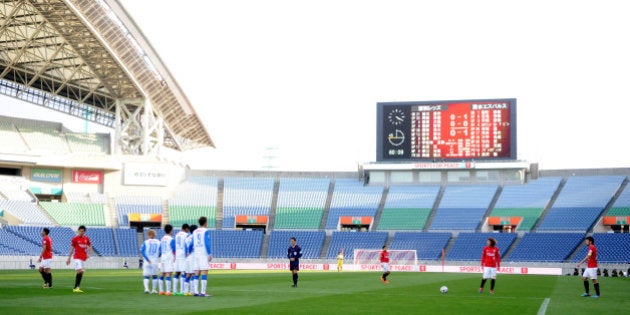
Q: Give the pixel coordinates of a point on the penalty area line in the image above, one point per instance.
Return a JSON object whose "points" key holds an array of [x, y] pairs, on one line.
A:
{"points": [[543, 307]]}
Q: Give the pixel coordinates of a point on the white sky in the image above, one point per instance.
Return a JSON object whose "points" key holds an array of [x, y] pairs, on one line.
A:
{"points": [[304, 77]]}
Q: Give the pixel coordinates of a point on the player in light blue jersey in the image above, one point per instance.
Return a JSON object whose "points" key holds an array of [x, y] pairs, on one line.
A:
{"points": [[191, 278], [150, 251], [167, 247], [203, 255], [180, 260]]}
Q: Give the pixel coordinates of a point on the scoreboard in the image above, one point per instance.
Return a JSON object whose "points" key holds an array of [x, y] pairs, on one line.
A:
{"points": [[467, 129]]}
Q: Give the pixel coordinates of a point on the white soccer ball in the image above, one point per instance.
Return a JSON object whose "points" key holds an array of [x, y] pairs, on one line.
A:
{"points": [[444, 289]]}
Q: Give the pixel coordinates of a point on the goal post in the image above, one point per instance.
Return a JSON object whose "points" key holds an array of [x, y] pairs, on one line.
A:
{"points": [[396, 256]]}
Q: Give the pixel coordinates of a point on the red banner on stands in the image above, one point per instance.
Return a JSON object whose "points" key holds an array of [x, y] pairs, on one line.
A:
{"points": [[87, 177]]}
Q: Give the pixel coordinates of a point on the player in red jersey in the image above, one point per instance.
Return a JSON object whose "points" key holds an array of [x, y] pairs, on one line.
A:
{"points": [[490, 262], [385, 264], [82, 249], [591, 267], [45, 259]]}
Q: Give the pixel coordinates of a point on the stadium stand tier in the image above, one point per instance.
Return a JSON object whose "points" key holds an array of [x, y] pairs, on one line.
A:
{"points": [[127, 242], [612, 248], [301, 207], [44, 139], [526, 201], [408, 207], [310, 241], [468, 246], [246, 196], [14, 188], [351, 198], [349, 241], [194, 198], [136, 204], [621, 207], [11, 139], [32, 136], [26, 211], [89, 143], [236, 244], [581, 202], [463, 207], [428, 245], [301, 203], [546, 247], [74, 213]]}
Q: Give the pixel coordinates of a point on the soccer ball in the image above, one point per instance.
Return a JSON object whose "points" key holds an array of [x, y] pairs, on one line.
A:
{"points": [[444, 289]]}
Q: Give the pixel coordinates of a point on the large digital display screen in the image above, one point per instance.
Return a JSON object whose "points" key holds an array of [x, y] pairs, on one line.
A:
{"points": [[443, 130]]}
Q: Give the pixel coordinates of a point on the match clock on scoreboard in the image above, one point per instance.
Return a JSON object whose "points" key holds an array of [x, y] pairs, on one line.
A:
{"points": [[468, 129]]}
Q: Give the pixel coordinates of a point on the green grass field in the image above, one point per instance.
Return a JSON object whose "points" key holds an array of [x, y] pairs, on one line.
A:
{"points": [[243, 292]]}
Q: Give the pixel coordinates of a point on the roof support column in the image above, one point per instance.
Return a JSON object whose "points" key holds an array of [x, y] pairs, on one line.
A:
{"points": [[139, 130]]}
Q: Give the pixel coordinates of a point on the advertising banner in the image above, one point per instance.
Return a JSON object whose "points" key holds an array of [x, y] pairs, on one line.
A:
{"points": [[144, 217], [87, 177], [379, 268], [145, 174], [46, 175]]}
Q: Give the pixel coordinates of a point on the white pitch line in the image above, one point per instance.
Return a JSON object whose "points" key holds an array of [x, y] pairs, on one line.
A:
{"points": [[543, 307]]}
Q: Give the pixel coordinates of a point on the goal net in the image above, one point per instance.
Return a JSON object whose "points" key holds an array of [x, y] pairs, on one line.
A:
{"points": [[396, 257]]}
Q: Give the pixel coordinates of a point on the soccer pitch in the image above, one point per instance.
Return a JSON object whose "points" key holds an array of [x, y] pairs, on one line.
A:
{"points": [[255, 292]]}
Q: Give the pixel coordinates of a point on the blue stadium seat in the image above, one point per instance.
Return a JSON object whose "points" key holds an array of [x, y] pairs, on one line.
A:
{"points": [[462, 207], [103, 241], [236, 243], [351, 198], [611, 248], [428, 245], [246, 196], [127, 242], [349, 241], [546, 247], [468, 246], [311, 243]]}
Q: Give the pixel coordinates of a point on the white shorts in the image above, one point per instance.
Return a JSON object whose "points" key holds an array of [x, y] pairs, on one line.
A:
{"points": [[489, 273], [79, 264], [149, 269], [46, 263], [590, 273], [201, 263], [180, 265], [190, 264], [385, 267], [168, 265]]}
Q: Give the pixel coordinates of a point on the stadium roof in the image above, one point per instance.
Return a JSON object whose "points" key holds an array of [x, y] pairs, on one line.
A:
{"points": [[88, 56]]}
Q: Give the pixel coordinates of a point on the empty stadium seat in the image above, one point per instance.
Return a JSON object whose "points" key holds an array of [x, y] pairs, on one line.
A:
{"points": [[546, 247], [468, 246], [246, 196], [428, 245], [301, 203], [136, 204], [351, 198], [194, 198], [311, 243], [407, 207], [612, 248], [26, 211], [462, 207], [236, 243], [349, 241], [581, 202], [621, 207], [527, 201], [127, 242], [73, 213]]}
